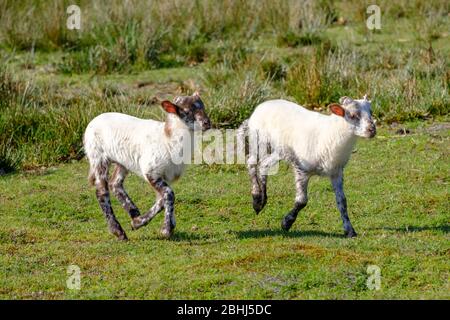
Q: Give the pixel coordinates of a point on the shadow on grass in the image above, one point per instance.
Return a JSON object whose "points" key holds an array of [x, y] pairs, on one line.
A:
{"points": [[290, 234], [443, 228], [38, 172], [181, 236]]}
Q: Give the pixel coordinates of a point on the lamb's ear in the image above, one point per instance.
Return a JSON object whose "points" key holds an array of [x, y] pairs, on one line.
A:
{"points": [[169, 107], [196, 95], [337, 109], [345, 100]]}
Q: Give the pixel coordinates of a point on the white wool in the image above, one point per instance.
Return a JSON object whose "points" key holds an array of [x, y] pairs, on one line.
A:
{"points": [[141, 146], [322, 144]]}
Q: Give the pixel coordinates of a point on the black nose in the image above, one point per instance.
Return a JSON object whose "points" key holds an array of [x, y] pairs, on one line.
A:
{"points": [[373, 131], [206, 124]]}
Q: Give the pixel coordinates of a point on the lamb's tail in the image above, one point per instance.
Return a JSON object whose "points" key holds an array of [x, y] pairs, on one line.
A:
{"points": [[243, 129], [88, 151], [242, 136]]}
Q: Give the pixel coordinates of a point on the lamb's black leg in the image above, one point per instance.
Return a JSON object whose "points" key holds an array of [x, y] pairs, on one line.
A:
{"points": [[116, 186], [102, 193], [338, 186], [257, 194], [141, 221], [168, 200], [301, 198]]}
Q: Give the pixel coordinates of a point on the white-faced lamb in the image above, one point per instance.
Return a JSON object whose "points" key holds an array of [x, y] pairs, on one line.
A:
{"points": [[313, 143], [146, 148]]}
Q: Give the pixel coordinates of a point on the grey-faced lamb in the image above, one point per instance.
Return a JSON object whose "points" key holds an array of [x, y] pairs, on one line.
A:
{"points": [[313, 143]]}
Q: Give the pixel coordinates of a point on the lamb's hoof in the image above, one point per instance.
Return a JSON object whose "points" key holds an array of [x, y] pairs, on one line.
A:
{"points": [[350, 233], [166, 233], [257, 203], [136, 223], [123, 237], [287, 222], [117, 230], [120, 234]]}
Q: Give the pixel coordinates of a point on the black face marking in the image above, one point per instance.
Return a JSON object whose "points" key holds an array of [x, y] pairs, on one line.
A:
{"points": [[356, 115], [192, 112], [198, 104]]}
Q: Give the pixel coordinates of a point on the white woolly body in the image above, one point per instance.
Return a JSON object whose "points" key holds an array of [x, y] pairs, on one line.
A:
{"points": [[321, 144], [141, 146]]}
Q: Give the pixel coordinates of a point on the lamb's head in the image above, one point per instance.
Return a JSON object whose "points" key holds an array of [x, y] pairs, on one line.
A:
{"points": [[357, 114], [190, 109]]}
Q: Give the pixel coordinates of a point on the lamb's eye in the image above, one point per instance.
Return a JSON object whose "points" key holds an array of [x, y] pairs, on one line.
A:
{"points": [[354, 116]]}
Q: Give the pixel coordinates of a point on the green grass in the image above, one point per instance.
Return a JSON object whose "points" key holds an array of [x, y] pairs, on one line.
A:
{"points": [[397, 188]]}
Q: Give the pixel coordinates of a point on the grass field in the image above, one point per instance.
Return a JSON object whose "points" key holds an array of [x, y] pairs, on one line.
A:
{"points": [[237, 53], [397, 188]]}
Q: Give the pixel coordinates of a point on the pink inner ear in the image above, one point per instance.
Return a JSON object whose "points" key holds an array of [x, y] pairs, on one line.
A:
{"points": [[337, 109], [169, 107]]}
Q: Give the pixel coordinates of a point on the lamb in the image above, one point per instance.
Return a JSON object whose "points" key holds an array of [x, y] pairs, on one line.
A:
{"points": [[146, 148], [313, 143]]}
